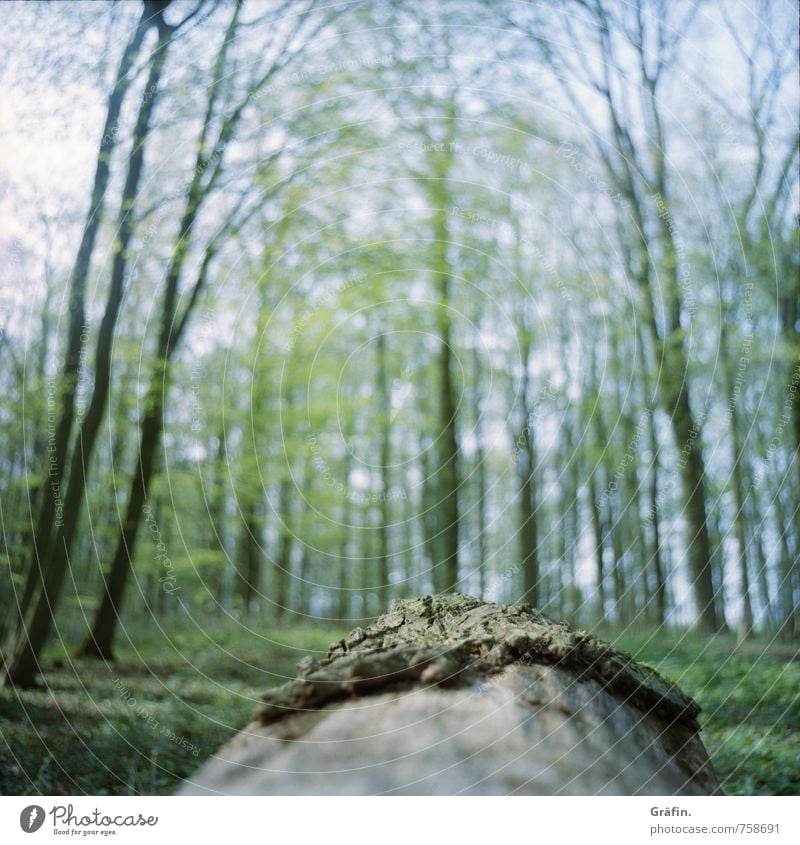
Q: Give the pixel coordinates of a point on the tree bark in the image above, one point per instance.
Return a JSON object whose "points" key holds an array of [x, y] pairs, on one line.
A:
{"points": [[447, 695]]}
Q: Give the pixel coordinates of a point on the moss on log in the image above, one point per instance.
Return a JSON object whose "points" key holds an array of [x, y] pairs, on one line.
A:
{"points": [[457, 641]]}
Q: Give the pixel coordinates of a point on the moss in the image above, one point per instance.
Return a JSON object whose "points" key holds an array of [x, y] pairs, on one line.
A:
{"points": [[459, 640]]}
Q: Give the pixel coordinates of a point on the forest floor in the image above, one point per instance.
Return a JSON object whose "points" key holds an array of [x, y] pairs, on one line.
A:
{"points": [[140, 725]]}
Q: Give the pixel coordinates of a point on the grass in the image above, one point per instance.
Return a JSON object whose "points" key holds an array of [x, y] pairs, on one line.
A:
{"points": [[750, 695], [140, 725]]}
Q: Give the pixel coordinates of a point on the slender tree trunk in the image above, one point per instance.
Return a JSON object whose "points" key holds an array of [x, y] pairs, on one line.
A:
{"points": [[409, 547], [44, 591], [608, 527], [569, 507], [50, 504], [429, 515], [448, 473], [483, 517], [789, 572], [659, 576], [599, 544], [217, 540], [283, 562], [525, 450], [249, 557], [617, 571], [446, 570], [344, 595], [739, 495], [367, 579], [384, 411], [755, 537], [100, 640], [304, 577]]}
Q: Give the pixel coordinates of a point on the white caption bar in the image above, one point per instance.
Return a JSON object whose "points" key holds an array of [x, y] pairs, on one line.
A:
{"points": [[401, 820]]}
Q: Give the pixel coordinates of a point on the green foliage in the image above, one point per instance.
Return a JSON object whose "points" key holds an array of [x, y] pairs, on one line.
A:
{"points": [[751, 705], [141, 726]]}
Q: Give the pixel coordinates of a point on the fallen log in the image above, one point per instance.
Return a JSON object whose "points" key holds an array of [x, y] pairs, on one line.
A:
{"points": [[449, 695]]}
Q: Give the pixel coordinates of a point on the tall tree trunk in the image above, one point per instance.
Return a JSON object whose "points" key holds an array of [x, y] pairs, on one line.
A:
{"points": [[659, 570], [283, 562], [635, 544], [692, 468], [429, 513], [789, 572], [606, 529], [737, 484], [249, 557], [599, 544], [304, 577], [344, 594], [60, 436], [410, 570], [525, 450], [100, 640], [569, 509], [43, 590], [446, 570], [480, 476], [448, 471], [384, 413], [218, 533]]}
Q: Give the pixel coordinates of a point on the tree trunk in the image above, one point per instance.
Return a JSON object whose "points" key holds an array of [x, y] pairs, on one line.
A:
{"points": [[283, 562], [525, 451], [483, 517], [789, 572], [429, 514], [739, 495], [57, 457], [100, 640], [692, 468], [43, 590], [384, 413], [57, 454], [344, 595], [599, 545], [449, 695], [659, 577], [249, 558], [446, 570]]}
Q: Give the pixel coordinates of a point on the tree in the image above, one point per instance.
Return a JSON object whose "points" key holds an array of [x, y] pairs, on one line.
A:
{"points": [[43, 587], [638, 170]]}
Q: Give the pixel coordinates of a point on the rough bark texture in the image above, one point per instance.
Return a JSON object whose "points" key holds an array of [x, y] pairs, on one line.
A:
{"points": [[448, 694]]}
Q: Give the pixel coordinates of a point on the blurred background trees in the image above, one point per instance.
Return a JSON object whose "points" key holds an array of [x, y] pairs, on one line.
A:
{"points": [[305, 310]]}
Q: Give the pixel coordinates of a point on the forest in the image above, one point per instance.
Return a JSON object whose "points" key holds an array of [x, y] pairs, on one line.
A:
{"points": [[307, 307]]}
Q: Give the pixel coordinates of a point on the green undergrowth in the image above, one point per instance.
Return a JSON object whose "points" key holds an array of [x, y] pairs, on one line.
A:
{"points": [[140, 725], [750, 695]]}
